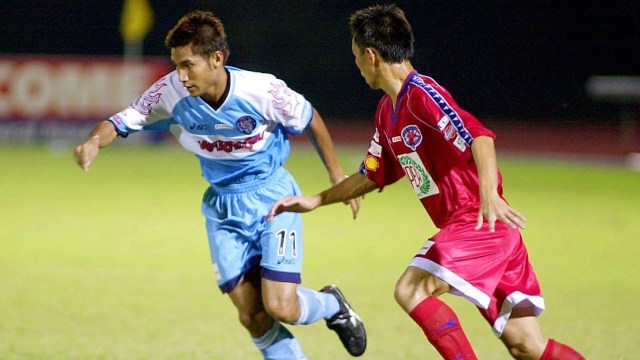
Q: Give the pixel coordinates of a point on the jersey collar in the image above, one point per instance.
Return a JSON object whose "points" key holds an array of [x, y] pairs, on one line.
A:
{"points": [[403, 90]]}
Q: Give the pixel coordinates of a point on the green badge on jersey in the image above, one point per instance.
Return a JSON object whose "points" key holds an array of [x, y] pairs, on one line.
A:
{"points": [[418, 176]]}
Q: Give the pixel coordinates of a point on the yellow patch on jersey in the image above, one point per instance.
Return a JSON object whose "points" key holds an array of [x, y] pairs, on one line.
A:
{"points": [[371, 163]]}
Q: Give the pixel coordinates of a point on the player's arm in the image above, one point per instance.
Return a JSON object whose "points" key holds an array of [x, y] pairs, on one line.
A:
{"points": [[323, 144], [353, 187], [102, 135], [321, 140], [492, 206]]}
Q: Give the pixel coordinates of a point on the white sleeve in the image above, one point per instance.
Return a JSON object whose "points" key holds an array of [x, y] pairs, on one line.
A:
{"points": [[153, 105], [287, 107]]}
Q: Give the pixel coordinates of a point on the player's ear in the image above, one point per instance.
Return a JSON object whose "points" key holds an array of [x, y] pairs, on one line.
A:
{"points": [[372, 55], [216, 59]]}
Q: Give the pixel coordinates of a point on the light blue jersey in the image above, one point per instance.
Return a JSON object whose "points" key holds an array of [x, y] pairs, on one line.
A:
{"points": [[241, 146], [245, 136]]}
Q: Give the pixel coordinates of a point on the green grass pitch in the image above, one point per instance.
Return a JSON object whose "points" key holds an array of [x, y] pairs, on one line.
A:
{"points": [[114, 263]]}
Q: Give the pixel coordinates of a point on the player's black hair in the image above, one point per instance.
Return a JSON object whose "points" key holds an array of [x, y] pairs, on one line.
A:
{"points": [[203, 30], [384, 28]]}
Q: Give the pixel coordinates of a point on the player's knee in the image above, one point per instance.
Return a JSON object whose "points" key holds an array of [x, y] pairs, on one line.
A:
{"points": [[518, 352], [420, 285], [282, 310], [524, 349], [402, 292], [405, 292], [254, 322]]}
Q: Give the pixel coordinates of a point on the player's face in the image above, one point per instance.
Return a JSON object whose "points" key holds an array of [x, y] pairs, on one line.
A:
{"points": [[196, 73], [364, 64]]}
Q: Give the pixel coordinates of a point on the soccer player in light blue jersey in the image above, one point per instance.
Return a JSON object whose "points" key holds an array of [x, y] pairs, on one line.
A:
{"points": [[237, 124]]}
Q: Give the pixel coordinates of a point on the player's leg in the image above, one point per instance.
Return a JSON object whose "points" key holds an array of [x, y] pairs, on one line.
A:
{"points": [[295, 305], [298, 305], [522, 335], [416, 292], [284, 300], [248, 301], [524, 339], [272, 339], [235, 262], [517, 301]]}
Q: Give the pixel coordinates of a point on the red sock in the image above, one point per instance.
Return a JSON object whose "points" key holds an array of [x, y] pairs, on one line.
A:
{"points": [[442, 328], [559, 351]]}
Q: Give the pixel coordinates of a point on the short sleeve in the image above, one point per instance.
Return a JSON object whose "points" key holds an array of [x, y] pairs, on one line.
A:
{"points": [[288, 107], [152, 107], [379, 164]]}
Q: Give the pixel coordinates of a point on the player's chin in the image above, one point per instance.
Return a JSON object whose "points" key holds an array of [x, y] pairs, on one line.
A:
{"points": [[373, 86], [193, 91]]}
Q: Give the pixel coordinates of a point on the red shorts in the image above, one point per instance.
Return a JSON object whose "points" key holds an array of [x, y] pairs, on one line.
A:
{"points": [[492, 270]]}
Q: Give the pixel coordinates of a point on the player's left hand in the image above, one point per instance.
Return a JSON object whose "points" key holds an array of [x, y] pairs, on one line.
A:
{"points": [[493, 208]]}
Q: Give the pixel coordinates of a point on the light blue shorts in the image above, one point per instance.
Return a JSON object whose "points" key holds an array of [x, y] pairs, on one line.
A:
{"points": [[240, 239]]}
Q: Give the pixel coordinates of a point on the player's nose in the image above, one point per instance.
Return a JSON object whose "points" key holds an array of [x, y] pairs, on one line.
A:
{"points": [[183, 76]]}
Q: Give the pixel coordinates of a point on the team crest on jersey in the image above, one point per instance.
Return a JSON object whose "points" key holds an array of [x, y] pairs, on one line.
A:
{"points": [[246, 124], [411, 136]]}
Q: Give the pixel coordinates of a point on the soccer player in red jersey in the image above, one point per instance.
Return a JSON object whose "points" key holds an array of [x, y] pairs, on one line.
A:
{"points": [[449, 158]]}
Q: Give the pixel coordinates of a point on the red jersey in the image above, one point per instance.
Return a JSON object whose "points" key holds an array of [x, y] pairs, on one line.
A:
{"points": [[427, 137]]}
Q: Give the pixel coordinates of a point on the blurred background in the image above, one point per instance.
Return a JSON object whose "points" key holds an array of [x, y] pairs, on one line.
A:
{"points": [[522, 67]]}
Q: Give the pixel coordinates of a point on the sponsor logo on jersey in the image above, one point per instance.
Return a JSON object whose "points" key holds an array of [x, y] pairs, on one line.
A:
{"points": [[246, 124], [229, 146], [396, 139], [460, 144], [286, 261], [425, 248], [222, 126], [443, 122], [116, 119], [194, 126], [375, 149], [412, 136], [371, 163], [449, 132], [422, 183]]}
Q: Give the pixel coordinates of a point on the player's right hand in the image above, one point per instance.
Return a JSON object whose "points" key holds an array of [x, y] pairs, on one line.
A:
{"points": [[86, 152], [299, 204], [355, 206]]}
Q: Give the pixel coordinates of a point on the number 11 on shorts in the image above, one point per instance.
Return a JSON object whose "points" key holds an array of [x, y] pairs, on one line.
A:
{"points": [[282, 240]]}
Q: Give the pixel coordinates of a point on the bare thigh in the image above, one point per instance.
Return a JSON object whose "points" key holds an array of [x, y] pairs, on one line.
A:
{"points": [[522, 334], [415, 285], [247, 299]]}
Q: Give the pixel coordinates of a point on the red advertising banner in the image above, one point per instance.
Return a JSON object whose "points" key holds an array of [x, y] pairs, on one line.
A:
{"points": [[72, 88]]}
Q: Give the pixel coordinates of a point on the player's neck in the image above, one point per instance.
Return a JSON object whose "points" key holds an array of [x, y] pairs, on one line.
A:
{"points": [[219, 91], [394, 76]]}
